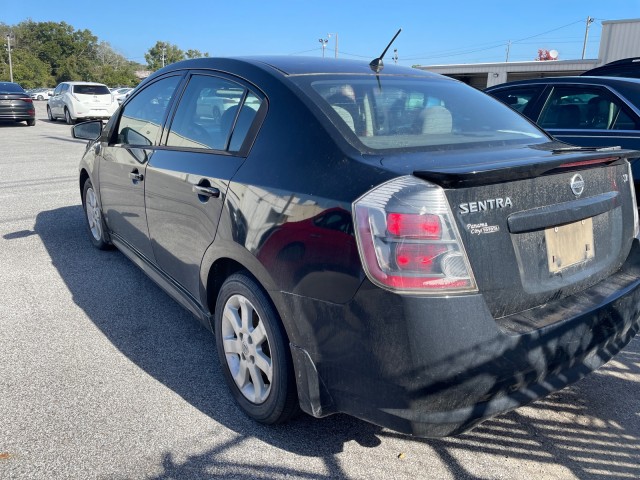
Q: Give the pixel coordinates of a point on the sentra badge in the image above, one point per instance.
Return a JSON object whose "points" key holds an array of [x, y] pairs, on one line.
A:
{"points": [[484, 205]]}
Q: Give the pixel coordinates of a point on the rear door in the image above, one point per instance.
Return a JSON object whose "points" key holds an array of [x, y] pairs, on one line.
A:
{"points": [[124, 163], [187, 180]]}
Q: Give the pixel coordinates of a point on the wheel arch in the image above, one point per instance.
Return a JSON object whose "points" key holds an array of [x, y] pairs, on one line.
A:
{"points": [[234, 259], [84, 176]]}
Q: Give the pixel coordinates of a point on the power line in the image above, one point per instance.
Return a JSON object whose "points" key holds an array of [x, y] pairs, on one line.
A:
{"points": [[465, 50], [304, 51]]}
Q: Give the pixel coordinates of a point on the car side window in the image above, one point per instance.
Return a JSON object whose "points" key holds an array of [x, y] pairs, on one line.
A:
{"points": [[578, 107], [210, 109], [624, 122], [516, 98], [142, 117]]}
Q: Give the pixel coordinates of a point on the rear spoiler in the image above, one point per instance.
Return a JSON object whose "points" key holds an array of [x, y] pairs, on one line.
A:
{"points": [[564, 159]]}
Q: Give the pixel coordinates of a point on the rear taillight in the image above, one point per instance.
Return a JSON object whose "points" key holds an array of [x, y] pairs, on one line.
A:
{"points": [[27, 100], [408, 240]]}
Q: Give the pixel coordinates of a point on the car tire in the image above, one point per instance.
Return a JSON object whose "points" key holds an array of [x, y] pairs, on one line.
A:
{"points": [[253, 350], [31, 122], [40, 97], [93, 214], [67, 117], [50, 115]]}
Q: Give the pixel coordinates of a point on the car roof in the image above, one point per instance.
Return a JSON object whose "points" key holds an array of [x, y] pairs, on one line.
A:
{"points": [[290, 65], [611, 81]]}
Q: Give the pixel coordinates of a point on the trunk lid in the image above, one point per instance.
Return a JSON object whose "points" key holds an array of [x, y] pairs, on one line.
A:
{"points": [[539, 224]]}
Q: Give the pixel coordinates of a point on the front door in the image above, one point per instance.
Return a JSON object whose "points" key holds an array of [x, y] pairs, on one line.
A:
{"points": [[124, 163]]}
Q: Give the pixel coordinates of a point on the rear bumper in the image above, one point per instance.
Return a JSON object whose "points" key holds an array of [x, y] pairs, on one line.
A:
{"points": [[439, 366], [84, 112], [18, 116]]}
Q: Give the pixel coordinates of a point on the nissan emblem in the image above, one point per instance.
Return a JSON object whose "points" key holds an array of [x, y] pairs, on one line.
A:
{"points": [[577, 184]]}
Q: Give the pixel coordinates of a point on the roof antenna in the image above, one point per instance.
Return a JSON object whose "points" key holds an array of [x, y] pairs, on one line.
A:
{"points": [[377, 64]]}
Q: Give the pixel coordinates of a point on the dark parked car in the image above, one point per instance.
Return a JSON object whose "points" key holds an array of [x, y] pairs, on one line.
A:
{"points": [[16, 104], [627, 67], [586, 111], [391, 244]]}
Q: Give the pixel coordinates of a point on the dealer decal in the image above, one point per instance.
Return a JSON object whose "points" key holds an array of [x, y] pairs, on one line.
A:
{"points": [[482, 228]]}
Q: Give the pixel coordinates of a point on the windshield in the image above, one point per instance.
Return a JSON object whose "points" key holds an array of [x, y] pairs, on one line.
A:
{"points": [[8, 87], [91, 90], [390, 113]]}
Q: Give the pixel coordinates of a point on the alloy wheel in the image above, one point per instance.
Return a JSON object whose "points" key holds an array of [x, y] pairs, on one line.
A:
{"points": [[246, 349], [93, 214]]}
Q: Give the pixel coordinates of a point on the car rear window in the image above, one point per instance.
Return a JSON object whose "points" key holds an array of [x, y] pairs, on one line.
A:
{"points": [[391, 113], [8, 87], [91, 90]]}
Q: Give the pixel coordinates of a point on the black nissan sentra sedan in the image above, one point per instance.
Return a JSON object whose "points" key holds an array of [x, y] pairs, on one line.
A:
{"points": [[16, 105], [391, 244]]}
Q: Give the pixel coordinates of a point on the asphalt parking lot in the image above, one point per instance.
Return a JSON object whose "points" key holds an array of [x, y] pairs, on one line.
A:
{"points": [[104, 376]]}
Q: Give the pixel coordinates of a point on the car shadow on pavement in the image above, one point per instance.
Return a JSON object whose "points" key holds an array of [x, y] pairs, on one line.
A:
{"points": [[586, 427]]}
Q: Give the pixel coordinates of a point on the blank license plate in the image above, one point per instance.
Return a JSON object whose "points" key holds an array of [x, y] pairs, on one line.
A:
{"points": [[569, 244]]}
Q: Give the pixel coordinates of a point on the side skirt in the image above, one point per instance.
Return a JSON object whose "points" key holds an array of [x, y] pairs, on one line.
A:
{"points": [[164, 281]]}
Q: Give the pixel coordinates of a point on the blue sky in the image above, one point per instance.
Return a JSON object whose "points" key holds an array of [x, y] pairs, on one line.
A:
{"points": [[433, 32]]}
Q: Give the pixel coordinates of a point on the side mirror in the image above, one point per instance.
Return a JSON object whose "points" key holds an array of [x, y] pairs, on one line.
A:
{"points": [[87, 130]]}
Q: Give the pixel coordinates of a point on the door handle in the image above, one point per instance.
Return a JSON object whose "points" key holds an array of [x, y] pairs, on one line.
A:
{"points": [[206, 191], [136, 177]]}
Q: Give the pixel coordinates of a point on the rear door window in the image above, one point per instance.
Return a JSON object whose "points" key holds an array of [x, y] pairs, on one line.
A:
{"points": [[214, 113], [581, 107]]}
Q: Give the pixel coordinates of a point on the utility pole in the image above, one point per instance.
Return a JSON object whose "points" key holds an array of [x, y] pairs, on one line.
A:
{"points": [[336, 44], [163, 50], [508, 50], [9, 50], [586, 35]]}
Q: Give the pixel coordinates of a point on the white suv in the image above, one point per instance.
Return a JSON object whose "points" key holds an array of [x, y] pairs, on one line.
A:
{"points": [[75, 101]]}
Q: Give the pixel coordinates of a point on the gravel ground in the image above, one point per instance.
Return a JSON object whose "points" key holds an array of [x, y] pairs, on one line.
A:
{"points": [[104, 376]]}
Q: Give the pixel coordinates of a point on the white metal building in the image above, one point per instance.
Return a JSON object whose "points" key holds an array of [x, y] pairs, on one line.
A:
{"points": [[619, 39]]}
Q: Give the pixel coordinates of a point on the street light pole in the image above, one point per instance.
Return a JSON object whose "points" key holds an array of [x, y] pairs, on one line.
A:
{"points": [[324, 42], [336, 44], [9, 50], [586, 35]]}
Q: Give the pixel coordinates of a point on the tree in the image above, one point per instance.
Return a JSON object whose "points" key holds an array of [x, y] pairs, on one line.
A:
{"points": [[163, 53], [29, 71], [196, 54], [45, 53]]}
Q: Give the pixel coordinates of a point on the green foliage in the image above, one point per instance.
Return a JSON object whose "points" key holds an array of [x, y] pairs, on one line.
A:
{"points": [[196, 54], [46, 53], [162, 54], [29, 71]]}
